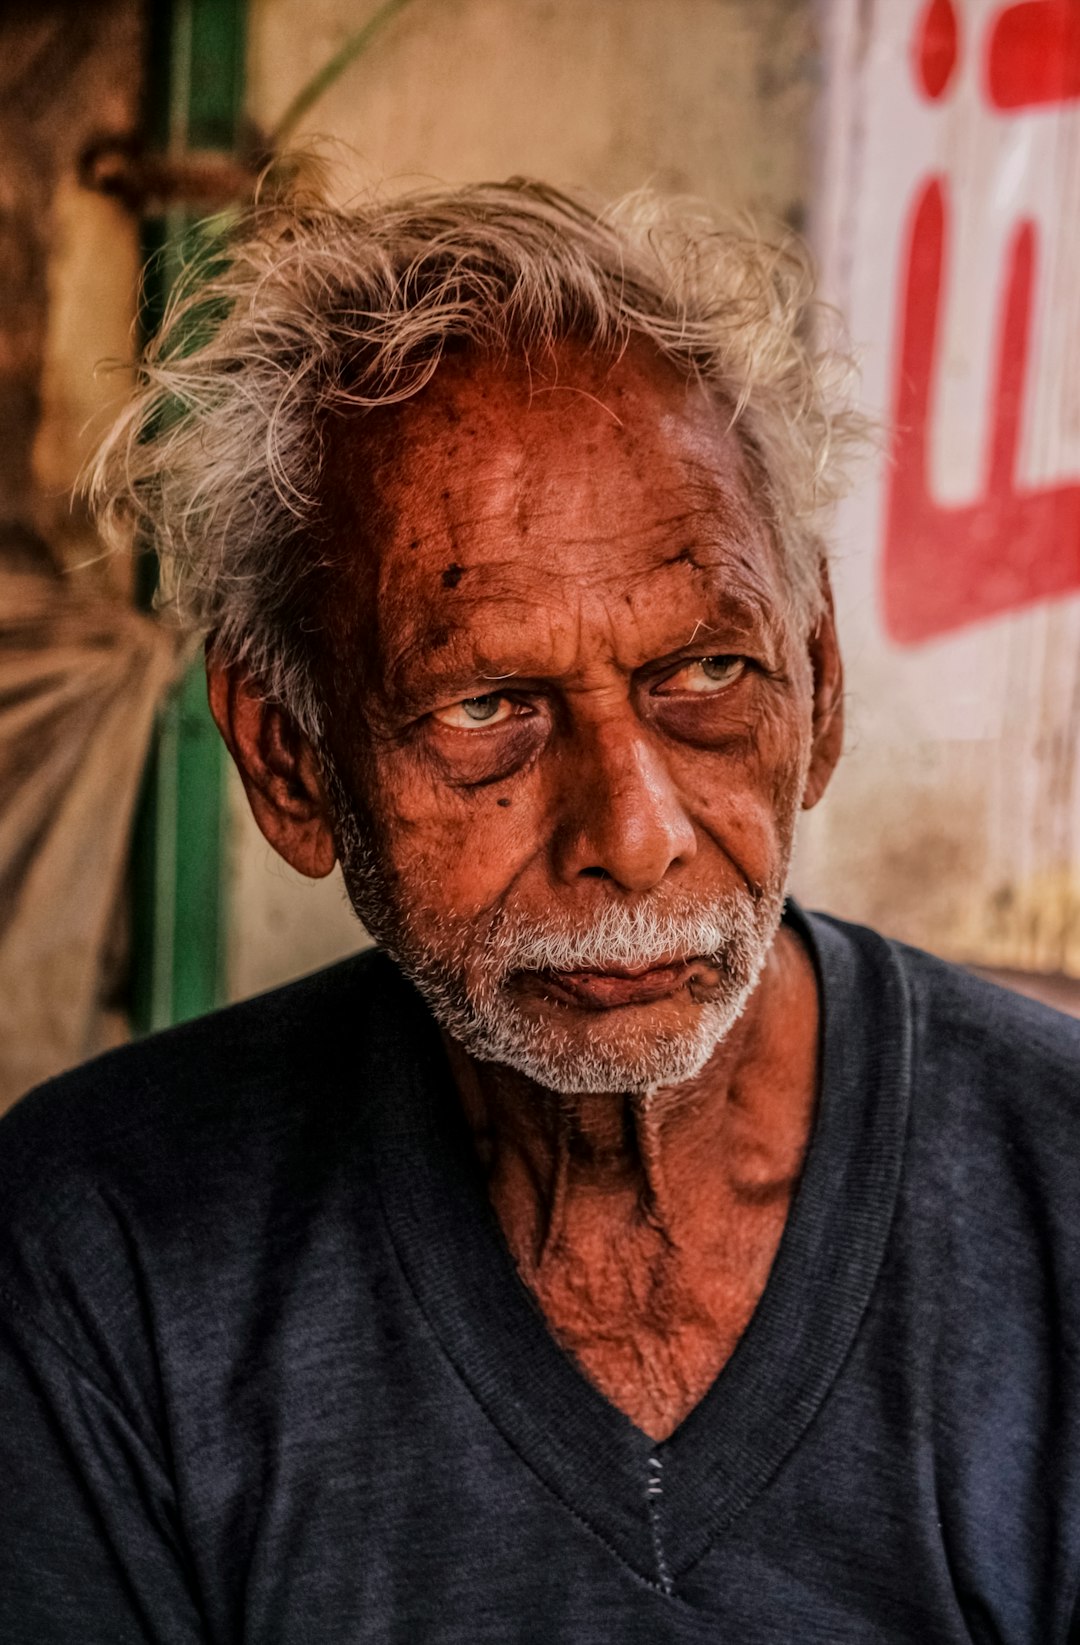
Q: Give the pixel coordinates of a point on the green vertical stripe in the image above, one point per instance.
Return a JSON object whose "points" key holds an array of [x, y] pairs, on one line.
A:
{"points": [[216, 70], [193, 100]]}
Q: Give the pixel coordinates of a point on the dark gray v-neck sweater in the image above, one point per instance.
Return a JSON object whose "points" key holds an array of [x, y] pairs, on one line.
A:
{"points": [[267, 1373]]}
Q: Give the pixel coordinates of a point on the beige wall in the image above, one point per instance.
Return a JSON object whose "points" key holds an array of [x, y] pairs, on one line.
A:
{"points": [[93, 270], [68, 270], [711, 97]]}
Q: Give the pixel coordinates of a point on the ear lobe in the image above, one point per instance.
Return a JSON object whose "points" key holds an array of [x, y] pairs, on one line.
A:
{"points": [[827, 735], [278, 769]]}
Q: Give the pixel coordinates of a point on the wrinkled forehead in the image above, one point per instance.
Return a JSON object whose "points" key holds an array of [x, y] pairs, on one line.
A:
{"points": [[563, 483]]}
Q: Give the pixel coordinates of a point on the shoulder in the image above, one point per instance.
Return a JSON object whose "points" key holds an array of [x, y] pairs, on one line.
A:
{"points": [[210, 1071], [967, 1022], [1005, 1051], [994, 1087], [178, 1138]]}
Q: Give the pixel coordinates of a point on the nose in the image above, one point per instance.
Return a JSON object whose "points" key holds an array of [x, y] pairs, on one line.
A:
{"points": [[623, 818]]}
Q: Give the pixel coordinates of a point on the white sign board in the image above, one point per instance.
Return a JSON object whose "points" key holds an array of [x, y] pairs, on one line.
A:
{"points": [[949, 237]]}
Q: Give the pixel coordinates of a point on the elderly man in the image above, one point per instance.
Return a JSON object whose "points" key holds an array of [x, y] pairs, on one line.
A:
{"points": [[618, 1253]]}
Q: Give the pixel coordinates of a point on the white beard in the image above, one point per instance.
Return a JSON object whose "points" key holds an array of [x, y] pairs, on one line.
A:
{"points": [[600, 1051], [595, 1051]]}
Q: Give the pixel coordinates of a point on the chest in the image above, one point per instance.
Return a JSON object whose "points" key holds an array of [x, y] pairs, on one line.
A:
{"points": [[652, 1319]]}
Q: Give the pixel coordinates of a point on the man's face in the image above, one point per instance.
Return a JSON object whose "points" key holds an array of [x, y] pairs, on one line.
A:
{"points": [[570, 716]]}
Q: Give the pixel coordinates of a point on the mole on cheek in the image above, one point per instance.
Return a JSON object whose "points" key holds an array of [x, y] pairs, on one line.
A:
{"points": [[502, 802], [453, 575]]}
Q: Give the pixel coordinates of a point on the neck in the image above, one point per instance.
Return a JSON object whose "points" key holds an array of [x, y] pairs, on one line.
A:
{"points": [[654, 1160]]}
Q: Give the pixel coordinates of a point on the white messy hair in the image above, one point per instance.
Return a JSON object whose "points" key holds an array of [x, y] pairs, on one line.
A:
{"points": [[301, 308]]}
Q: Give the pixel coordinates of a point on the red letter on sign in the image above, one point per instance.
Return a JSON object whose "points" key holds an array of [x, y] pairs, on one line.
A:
{"points": [[1034, 54], [945, 566]]}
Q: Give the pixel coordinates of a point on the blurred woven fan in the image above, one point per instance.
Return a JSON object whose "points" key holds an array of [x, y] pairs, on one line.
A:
{"points": [[80, 679]]}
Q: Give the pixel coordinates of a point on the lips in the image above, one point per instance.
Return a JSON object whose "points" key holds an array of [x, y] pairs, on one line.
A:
{"points": [[606, 990]]}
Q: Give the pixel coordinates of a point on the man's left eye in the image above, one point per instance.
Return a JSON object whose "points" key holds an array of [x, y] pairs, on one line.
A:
{"points": [[473, 712], [707, 674]]}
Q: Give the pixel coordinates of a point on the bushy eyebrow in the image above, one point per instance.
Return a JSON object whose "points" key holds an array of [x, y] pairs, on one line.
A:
{"points": [[441, 663]]}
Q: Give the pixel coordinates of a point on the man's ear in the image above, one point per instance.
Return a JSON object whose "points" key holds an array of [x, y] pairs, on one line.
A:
{"points": [[828, 713], [278, 768]]}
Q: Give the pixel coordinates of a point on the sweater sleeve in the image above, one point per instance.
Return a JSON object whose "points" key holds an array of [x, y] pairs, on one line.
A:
{"points": [[91, 1551]]}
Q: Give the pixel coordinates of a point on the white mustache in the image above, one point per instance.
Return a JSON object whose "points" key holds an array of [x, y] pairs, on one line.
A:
{"points": [[630, 937]]}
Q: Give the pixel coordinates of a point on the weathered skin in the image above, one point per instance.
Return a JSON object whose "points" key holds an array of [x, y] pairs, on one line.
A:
{"points": [[580, 536]]}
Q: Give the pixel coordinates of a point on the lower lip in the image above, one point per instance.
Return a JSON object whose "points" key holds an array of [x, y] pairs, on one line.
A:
{"points": [[603, 991]]}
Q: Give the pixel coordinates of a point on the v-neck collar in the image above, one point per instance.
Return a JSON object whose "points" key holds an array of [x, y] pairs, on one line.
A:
{"points": [[684, 1492]]}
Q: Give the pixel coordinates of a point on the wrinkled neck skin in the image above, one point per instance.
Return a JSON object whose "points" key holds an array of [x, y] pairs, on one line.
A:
{"points": [[646, 1225]]}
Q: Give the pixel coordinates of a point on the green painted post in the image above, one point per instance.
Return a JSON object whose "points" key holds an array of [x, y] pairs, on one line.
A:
{"points": [[194, 100]]}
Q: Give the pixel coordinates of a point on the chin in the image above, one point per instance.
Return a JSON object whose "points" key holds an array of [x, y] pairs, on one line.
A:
{"points": [[470, 974], [633, 1049]]}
